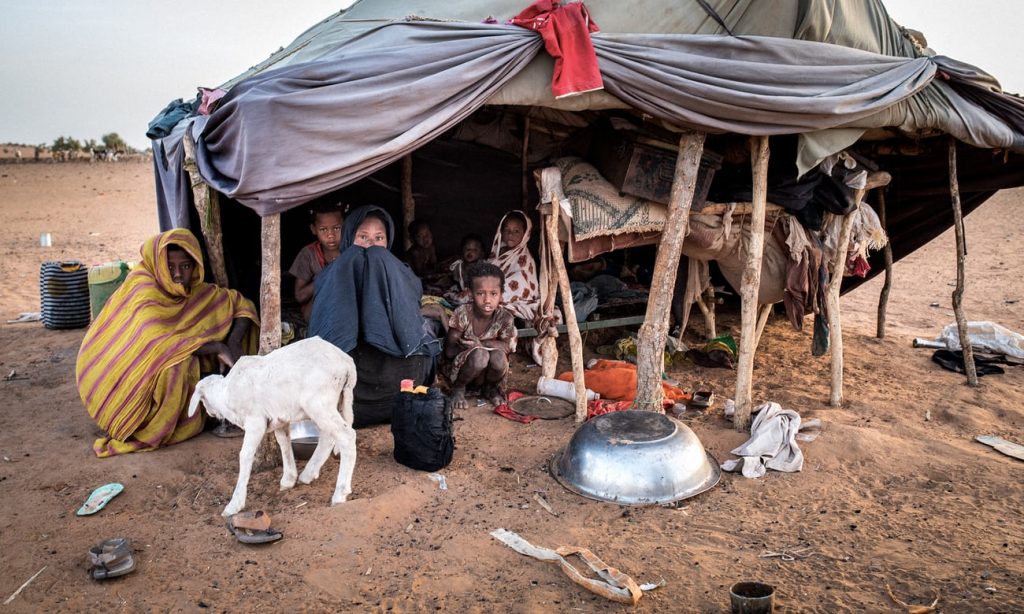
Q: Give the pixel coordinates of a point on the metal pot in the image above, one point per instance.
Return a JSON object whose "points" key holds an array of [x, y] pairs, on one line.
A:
{"points": [[635, 458], [304, 435]]}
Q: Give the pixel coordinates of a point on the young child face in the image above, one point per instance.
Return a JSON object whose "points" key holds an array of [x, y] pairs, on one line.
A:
{"points": [[327, 228], [371, 233], [486, 295], [472, 251], [423, 237], [512, 232]]}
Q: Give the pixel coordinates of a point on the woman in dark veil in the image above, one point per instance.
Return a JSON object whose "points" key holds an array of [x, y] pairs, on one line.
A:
{"points": [[367, 302]]}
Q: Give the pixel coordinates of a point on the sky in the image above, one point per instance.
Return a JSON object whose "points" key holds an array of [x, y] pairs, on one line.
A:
{"points": [[85, 68]]}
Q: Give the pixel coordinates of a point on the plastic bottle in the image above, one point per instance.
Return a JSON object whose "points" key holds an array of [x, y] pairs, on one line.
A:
{"points": [[564, 390]]}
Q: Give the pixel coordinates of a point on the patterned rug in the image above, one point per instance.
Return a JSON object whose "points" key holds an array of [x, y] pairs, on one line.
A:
{"points": [[597, 207]]}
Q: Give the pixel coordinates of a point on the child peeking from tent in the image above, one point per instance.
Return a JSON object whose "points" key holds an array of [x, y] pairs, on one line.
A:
{"points": [[325, 223], [481, 336], [422, 256], [471, 249]]}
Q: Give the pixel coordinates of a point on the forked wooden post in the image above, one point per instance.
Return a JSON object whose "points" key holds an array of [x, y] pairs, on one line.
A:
{"points": [[408, 203], [883, 296], [762, 319], [549, 181], [650, 350], [835, 324], [208, 206], [270, 317], [571, 326], [751, 283], [961, 257]]}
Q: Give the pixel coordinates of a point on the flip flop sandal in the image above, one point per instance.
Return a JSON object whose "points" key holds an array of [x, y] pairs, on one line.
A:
{"points": [[111, 558], [253, 528], [99, 498]]}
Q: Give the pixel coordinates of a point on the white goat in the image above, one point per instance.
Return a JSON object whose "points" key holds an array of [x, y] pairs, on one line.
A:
{"points": [[310, 379]]}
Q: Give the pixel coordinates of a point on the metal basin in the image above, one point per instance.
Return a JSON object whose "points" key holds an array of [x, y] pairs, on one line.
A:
{"points": [[635, 458], [304, 437]]}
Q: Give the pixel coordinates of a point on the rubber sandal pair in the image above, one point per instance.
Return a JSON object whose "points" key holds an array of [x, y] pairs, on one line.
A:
{"points": [[99, 498], [253, 528], [111, 558]]}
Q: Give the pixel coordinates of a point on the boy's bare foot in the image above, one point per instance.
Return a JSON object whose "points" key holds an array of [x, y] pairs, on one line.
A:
{"points": [[459, 398], [494, 395]]}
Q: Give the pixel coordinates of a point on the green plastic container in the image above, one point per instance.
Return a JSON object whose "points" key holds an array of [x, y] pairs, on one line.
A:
{"points": [[103, 280]]}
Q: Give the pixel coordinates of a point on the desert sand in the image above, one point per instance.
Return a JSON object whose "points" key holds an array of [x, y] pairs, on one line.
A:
{"points": [[894, 492]]}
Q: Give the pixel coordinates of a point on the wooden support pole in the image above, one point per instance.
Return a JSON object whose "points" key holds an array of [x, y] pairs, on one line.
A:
{"points": [[751, 284], [762, 319], [548, 287], [883, 296], [208, 206], [572, 327], [267, 455], [525, 163], [961, 258], [835, 323], [408, 203], [708, 309], [270, 284], [650, 352]]}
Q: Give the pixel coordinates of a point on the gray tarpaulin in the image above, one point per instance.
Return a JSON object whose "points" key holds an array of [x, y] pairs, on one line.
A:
{"points": [[358, 91], [287, 135]]}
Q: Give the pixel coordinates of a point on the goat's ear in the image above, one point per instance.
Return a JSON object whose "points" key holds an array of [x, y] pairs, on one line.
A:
{"points": [[193, 404]]}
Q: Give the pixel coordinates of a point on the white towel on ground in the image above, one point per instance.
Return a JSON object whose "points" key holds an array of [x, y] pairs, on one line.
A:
{"points": [[772, 443]]}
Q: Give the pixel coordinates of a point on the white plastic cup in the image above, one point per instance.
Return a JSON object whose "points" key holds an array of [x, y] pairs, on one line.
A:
{"points": [[564, 390], [45, 240]]}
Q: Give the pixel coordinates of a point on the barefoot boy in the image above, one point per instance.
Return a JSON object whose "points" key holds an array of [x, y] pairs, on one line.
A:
{"points": [[481, 335]]}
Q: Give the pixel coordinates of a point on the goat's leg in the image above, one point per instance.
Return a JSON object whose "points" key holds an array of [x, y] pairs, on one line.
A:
{"points": [[284, 441], [324, 446], [346, 448], [254, 431]]}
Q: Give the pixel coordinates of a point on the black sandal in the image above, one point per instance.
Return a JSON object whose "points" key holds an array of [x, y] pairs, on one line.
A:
{"points": [[111, 558]]}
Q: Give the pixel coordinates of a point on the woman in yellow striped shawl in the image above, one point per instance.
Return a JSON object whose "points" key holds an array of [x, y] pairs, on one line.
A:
{"points": [[139, 361]]}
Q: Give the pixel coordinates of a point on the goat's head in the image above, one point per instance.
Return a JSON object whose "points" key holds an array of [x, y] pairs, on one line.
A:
{"points": [[200, 396]]}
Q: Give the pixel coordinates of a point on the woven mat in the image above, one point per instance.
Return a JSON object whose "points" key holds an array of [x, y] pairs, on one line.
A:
{"points": [[599, 210]]}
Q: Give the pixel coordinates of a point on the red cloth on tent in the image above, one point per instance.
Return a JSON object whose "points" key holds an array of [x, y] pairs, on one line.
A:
{"points": [[566, 30]]}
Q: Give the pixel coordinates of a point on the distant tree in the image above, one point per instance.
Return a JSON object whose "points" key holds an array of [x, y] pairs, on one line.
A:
{"points": [[114, 142], [66, 143], [91, 144]]}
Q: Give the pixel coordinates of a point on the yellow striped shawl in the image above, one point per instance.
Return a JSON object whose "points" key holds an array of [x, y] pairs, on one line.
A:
{"points": [[150, 325]]}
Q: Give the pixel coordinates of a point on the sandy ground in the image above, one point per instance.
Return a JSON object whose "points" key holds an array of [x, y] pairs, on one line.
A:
{"points": [[895, 491]]}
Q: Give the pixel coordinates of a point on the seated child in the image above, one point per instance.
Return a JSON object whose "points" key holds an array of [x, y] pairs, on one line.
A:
{"points": [[472, 250], [481, 336], [422, 256], [326, 227]]}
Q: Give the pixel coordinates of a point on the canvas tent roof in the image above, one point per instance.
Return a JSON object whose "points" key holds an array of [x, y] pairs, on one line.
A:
{"points": [[360, 89]]}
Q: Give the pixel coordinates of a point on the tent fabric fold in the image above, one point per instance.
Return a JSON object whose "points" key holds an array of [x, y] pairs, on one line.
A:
{"points": [[285, 136], [331, 112]]}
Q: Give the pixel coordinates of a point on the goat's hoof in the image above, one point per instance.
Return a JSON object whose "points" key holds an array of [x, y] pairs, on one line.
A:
{"points": [[287, 485], [229, 511], [308, 479], [337, 500]]}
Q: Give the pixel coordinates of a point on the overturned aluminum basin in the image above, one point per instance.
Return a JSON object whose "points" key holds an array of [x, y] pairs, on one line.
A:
{"points": [[304, 435], [635, 458]]}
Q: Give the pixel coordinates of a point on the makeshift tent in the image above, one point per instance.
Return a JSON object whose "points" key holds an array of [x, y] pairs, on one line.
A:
{"points": [[359, 92]]}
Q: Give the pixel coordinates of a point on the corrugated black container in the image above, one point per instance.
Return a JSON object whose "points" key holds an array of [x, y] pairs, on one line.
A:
{"points": [[64, 294]]}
